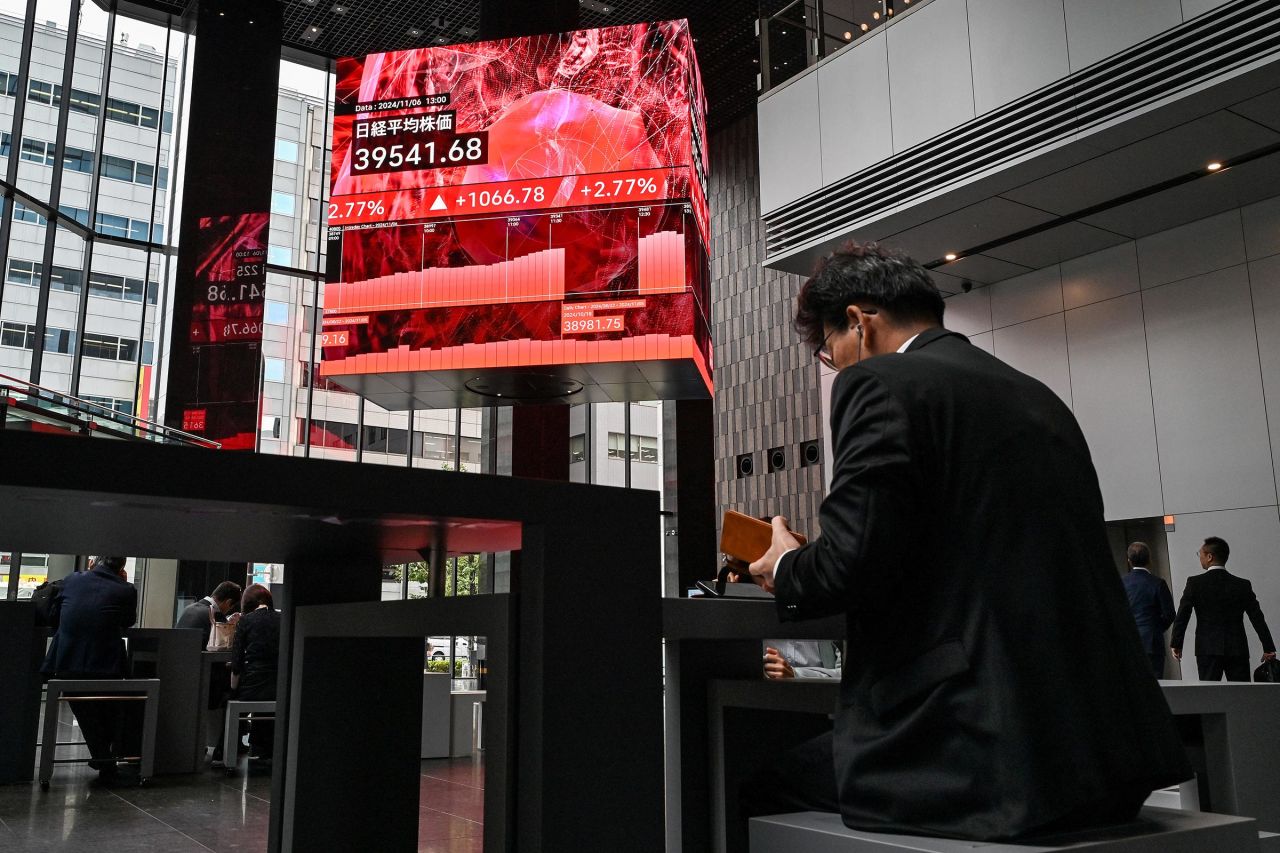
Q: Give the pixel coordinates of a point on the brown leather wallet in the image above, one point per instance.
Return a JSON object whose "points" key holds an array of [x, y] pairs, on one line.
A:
{"points": [[746, 539]]}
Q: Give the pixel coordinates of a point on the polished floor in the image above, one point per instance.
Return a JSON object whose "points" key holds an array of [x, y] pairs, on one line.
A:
{"points": [[209, 811]]}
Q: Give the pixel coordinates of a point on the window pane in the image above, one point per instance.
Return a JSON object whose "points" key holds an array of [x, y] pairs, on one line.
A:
{"points": [[78, 160], [40, 92], [117, 167], [282, 203], [273, 370], [115, 226], [85, 102], [286, 150], [279, 255]]}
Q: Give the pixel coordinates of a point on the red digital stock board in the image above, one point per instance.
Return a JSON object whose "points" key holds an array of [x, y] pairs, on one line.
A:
{"points": [[522, 219]]}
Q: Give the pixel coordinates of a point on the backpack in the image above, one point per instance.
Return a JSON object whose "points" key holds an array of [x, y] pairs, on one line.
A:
{"points": [[45, 600]]}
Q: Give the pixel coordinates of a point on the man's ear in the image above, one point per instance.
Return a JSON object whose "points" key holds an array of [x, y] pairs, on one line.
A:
{"points": [[854, 315]]}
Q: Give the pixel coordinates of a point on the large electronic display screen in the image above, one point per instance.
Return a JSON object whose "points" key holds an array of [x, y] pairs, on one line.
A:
{"points": [[520, 219]]}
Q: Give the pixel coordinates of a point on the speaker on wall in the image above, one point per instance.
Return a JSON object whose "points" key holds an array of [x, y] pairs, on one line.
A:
{"points": [[810, 453], [776, 459], [746, 465]]}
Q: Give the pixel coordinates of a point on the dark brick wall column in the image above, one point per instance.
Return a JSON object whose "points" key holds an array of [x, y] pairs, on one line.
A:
{"points": [[767, 389]]}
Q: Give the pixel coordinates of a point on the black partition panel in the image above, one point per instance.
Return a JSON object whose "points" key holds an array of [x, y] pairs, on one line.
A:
{"points": [[173, 656], [358, 740], [23, 644]]}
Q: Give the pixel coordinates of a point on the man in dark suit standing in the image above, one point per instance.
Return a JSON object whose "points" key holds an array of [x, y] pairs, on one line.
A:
{"points": [[1151, 604], [994, 685], [90, 613], [1220, 600]]}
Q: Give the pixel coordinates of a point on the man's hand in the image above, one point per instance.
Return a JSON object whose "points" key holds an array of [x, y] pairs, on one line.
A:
{"points": [[1177, 653], [783, 541], [1266, 656], [775, 665]]}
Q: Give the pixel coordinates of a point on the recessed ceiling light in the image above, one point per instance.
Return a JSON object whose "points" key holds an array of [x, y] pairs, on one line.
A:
{"points": [[1213, 167], [847, 35], [875, 16], [951, 256], [414, 32], [340, 10], [863, 27]]}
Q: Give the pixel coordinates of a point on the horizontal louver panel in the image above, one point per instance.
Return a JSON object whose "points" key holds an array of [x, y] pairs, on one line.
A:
{"points": [[1234, 36]]}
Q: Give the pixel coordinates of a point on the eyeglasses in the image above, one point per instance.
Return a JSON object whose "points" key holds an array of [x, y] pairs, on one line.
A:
{"points": [[823, 354]]}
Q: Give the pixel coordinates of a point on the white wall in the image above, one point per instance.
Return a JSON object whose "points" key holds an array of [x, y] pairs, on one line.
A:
{"points": [[933, 67], [1168, 351]]}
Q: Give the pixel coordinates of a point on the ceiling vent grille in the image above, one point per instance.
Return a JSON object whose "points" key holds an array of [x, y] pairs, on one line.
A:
{"points": [[1235, 35]]}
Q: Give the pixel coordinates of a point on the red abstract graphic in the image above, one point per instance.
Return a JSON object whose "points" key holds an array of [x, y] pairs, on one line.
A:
{"points": [[483, 194]]}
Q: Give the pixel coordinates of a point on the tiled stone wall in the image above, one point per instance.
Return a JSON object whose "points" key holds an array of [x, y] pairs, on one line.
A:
{"points": [[766, 380]]}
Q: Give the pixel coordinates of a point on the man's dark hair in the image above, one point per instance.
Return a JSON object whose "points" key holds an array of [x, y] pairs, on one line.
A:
{"points": [[1139, 555], [255, 596], [1218, 549], [109, 564], [866, 276], [226, 591]]}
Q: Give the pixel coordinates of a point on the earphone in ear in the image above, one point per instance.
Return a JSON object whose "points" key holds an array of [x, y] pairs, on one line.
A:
{"points": [[858, 329]]}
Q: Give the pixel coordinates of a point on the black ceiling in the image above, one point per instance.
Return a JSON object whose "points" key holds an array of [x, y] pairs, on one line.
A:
{"points": [[724, 32]]}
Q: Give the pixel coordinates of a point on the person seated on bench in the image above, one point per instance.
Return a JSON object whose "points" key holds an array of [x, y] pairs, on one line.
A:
{"points": [[994, 684], [801, 659], [90, 613], [254, 655]]}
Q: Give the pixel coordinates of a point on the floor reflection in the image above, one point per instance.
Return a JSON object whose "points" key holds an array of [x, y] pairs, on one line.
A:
{"points": [[210, 811]]}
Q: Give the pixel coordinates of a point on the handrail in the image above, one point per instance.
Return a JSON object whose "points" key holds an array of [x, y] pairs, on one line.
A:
{"points": [[97, 412]]}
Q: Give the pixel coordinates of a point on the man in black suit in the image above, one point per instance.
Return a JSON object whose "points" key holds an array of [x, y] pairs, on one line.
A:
{"points": [[1220, 600], [1150, 602], [90, 613], [994, 685]]}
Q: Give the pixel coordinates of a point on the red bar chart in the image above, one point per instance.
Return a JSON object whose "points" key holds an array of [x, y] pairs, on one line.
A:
{"points": [[661, 265], [529, 278]]}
